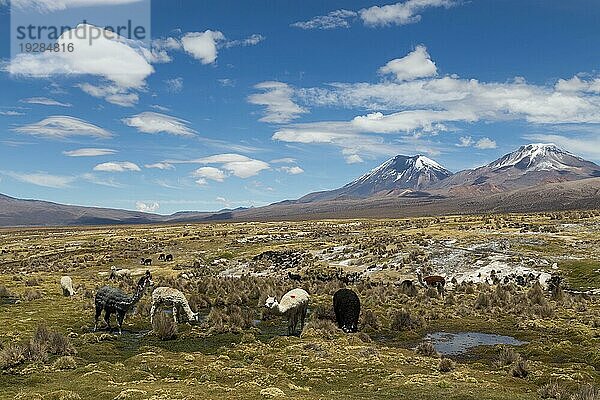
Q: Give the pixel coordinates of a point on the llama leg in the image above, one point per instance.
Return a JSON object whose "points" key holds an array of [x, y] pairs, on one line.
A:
{"points": [[303, 317], [120, 318], [175, 314], [107, 319], [152, 311], [98, 312]]}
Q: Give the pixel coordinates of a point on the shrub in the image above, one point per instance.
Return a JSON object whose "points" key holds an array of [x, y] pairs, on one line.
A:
{"points": [[536, 294], [519, 369], [483, 301], [543, 311], [4, 292], [403, 320], [164, 327], [426, 349], [553, 390], [31, 294], [586, 392], [12, 355], [65, 362], [446, 365], [32, 282], [369, 320], [507, 356]]}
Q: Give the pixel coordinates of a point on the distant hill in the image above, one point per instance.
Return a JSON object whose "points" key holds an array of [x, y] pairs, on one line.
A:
{"points": [[535, 177]]}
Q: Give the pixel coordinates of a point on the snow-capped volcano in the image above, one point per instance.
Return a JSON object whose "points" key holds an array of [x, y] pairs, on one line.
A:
{"points": [[530, 165], [401, 172], [539, 157]]}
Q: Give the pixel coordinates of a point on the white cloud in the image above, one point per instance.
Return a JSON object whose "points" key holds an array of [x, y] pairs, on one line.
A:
{"points": [[294, 170], [11, 113], [117, 166], [45, 101], [89, 152], [354, 159], [160, 165], [485, 144], [234, 164], [203, 45], [277, 97], [111, 93], [416, 64], [174, 85], [465, 141], [285, 160], [401, 13], [212, 173], [147, 207], [60, 127], [152, 122], [42, 179], [226, 82], [251, 40], [160, 108], [201, 182], [119, 61], [335, 19], [110, 182]]}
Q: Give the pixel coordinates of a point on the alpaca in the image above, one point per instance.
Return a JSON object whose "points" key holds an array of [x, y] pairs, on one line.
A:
{"points": [[66, 283], [293, 305], [169, 257], [435, 281], [115, 301], [166, 296], [119, 273], [146, 261], [161, 257], [408, 287], [346, 306]]}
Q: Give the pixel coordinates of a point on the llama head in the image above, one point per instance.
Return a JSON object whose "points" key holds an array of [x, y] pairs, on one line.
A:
{"points": [[271, 302], [146, 280]]}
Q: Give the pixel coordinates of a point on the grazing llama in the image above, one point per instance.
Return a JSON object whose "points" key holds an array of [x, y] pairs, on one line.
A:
{"points": [[114, 301], [435, 281], [346, 306], [293, 305], [66, 283], [119, 274], [166, 296], [146, 261]]}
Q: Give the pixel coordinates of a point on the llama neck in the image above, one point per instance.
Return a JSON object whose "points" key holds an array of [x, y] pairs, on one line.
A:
{"points": [[281, 309], [139, 292], [188, 311]]}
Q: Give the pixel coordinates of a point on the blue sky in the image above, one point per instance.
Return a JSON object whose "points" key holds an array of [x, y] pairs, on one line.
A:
{"points": [[238, 103]]}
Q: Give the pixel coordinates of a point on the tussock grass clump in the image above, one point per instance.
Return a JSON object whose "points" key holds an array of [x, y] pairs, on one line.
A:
{"points": [[426, 349], [12, 355], [483, 301], [507, 356], [554, 390], [403, 320], [519, 369], [536, 294], [586, 392], [4, 292], [369, 320], [164, 327], [446, 365], [31, 294], [65, 362]]}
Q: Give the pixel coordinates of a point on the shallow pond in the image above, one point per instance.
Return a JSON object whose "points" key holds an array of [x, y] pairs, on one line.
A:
{"points": [[458, 343]]}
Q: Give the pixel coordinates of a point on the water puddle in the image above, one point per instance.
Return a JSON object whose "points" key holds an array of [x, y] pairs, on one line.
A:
{"points": [[458, 343]]}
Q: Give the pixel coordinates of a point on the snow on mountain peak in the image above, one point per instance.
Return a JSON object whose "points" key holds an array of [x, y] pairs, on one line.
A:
{"points": [[422, 162], [537, 156]]}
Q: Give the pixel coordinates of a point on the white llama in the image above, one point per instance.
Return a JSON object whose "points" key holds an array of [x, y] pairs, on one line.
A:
{"points": [[166, 296], [293, 305]]}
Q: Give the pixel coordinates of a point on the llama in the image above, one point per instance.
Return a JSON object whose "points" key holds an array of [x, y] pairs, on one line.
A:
{"points": [[294, 277], [169, 257], [346, 306], [161, 257], [408, 287], [146, 261], [293, 305], [119, 274], [115, 301], [166, 296], [66, 283], [435, 281]]}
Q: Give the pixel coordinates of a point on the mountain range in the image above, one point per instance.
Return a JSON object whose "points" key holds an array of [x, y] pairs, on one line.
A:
{"points": [[535, 177]]}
